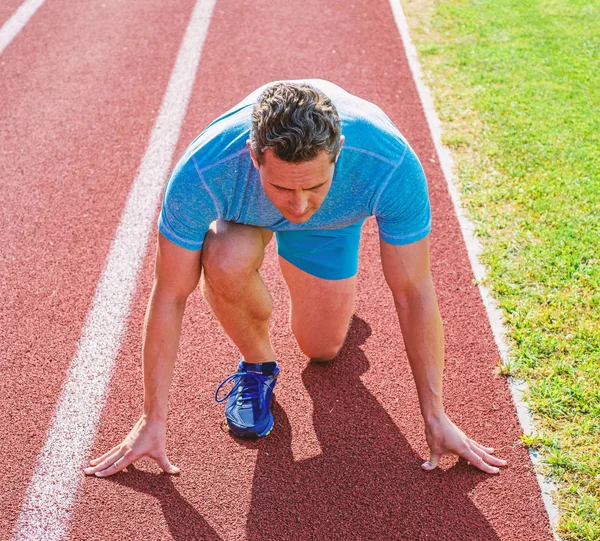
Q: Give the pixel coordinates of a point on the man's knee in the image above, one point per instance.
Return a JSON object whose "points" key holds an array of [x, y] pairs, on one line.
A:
{"points": [[319, 351], [317, 343], [230, 254]]}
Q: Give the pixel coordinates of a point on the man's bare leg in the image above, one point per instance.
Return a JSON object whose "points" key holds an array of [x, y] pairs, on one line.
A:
{"points": [[321, 311], [231, 256]]}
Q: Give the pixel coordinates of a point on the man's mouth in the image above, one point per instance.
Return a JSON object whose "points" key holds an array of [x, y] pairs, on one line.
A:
{"points": [[304, 215]]}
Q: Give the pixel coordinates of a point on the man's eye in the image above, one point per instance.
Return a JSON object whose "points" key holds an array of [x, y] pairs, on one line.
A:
{"points": [[307, 190]]}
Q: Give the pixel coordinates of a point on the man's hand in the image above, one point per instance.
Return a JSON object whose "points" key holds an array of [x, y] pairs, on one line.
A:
{"points": [[443, 436], [147, 439], [176, 274]]}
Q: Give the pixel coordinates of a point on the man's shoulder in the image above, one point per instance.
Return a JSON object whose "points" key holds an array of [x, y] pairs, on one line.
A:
{"points": [[223, 139], [365, 125], [372, 133]]}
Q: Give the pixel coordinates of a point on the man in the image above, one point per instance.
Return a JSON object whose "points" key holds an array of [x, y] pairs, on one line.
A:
{"points": [[310, 161]]}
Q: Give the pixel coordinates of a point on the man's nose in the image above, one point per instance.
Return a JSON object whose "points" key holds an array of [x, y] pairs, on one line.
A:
{"points": [[299, 205]]}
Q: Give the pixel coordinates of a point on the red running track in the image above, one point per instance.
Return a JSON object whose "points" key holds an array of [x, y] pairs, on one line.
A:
{"points": [[7, 9], [82, 88]]}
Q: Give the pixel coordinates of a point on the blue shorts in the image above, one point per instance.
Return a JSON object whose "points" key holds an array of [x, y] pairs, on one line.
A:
{"points": [[331, 254]]}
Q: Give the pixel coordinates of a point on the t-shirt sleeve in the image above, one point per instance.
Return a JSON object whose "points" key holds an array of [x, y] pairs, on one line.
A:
{"points": [[188, 207], [402, 210]]}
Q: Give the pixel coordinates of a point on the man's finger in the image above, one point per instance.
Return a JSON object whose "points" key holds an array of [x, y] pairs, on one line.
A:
{"points": [[483, 447], [478, 461], [105, 463], [166, 465], [120, 464], [95, 461], [494, 461], [432, 463]]}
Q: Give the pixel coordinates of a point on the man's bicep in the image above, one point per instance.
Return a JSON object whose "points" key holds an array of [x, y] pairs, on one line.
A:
{"points": [[177, 269], [406, 266]]}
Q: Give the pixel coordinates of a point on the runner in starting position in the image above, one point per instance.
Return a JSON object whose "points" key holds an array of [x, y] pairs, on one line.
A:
{"points": [[308, 161]]}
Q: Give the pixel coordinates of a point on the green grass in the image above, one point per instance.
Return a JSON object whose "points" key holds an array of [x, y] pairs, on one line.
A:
{"points": [[517, 87]]}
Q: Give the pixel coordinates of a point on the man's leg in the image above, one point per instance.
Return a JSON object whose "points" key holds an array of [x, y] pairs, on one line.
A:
{"points": [[231, 256], [321, 311]]}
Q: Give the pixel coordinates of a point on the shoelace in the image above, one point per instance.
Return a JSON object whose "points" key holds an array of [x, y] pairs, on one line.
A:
{"points": [[252, 384]]}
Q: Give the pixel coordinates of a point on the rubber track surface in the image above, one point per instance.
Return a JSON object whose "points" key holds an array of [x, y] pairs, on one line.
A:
{"points": [[81, 88], [7, 8]]}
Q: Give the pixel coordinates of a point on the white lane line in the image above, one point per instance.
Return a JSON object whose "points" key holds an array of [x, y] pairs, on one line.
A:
{"points": [[517, 387], [18, 20], [46, 510]]}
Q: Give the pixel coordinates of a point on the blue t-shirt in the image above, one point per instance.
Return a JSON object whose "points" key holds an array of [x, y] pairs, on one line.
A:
{"points": [[377, 174]]}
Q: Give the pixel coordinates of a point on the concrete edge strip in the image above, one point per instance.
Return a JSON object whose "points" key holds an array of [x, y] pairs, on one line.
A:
{"points": [[517, 387], [17, 21], [47, 507]]}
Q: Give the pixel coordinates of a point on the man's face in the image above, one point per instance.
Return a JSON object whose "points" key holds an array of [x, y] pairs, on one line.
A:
{"points": [[296, 189]]}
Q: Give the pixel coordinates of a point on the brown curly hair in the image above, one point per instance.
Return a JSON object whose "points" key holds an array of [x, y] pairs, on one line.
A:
{"points": [[296, 121]]}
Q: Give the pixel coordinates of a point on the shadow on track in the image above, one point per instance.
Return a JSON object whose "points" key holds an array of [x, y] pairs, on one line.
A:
{"points": [[184, 522], [367, 483]]}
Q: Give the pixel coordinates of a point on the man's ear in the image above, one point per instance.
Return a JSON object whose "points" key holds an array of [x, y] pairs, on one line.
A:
{"points": [[342, 139], [252, 155]]}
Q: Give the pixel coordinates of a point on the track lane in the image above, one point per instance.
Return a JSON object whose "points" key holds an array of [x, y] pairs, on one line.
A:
{"points": [[354, 472], [81, 89], [7, 9], [16, 22]]}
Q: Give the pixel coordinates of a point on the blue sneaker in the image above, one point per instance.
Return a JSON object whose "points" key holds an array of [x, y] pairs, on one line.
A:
{"points": [[248, 410]]}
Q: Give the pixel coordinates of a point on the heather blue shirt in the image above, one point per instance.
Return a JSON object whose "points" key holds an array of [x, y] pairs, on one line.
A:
{"points": [[377, 174]]}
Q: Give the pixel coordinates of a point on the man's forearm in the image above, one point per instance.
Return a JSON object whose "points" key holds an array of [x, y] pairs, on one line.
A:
{"points": [[162, 329], [421, 326]]}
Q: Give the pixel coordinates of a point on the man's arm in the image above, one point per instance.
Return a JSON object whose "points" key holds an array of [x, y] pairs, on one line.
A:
{"points": [[407, 272], [177, 272], [176, 275]]}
